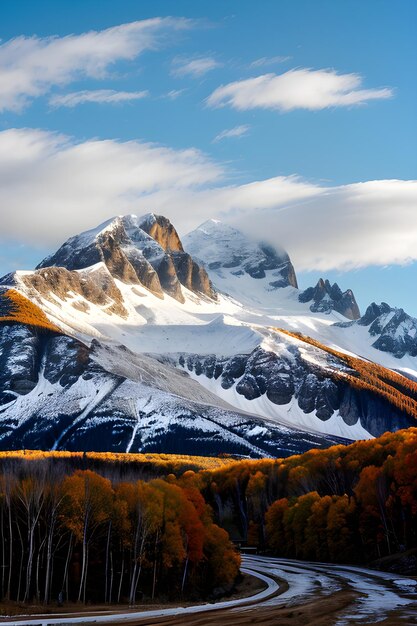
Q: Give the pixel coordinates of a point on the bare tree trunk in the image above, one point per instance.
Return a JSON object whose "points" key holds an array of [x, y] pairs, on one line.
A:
{"points": [[154, 567], [138, 570], [40, 551], [81, 592], [21, 562], [85, 577], [65, 580], [184, 575], [133, 583], [9, 580], [30, 561], [33, 517], [106, 580], [121, 578], [48, 562], [111, 576], [3, 553]]}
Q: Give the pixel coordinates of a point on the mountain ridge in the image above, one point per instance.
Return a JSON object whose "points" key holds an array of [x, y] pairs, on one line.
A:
{"points": [[130, 297]]}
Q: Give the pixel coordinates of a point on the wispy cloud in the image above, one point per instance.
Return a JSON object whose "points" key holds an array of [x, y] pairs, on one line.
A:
{"points": [[99, 96], [296, 89], [32, 66], [263, 61], [343, 227], [237, 131], [195, 67], [174, 94]]}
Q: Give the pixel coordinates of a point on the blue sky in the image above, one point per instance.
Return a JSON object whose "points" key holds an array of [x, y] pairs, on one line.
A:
{"points": [[222, 93]]}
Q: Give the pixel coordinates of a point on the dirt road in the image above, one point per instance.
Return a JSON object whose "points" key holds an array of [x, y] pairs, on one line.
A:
{"points": [[297, 594]]}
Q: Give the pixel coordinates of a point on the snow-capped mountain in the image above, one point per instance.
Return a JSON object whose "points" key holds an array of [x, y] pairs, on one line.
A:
{"points": [[128, 338], [392, 330], [239, 266], [147, 250]]}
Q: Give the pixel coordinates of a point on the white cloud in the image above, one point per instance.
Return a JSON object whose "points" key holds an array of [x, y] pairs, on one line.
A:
{"points": [[98, 96], [174, 94], [237, 131], [193, 67], [269, 61], [52, 187], [343, 227], [31, 66], [296, 89]]}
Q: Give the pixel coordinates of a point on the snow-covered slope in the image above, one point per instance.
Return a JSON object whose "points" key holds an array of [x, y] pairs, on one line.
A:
{"points": [[136, 299], [58, 394], [247, 270]]}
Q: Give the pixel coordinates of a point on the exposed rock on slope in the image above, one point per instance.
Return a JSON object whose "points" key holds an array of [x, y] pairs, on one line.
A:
{"points": [[326, 297], [161, 229], [97, 287], [58, 394], [134, 255], [304, 373], [393, 329], [226, 251]]}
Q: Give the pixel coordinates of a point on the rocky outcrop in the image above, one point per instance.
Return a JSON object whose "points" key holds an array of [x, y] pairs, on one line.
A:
{"points": [[160, 228], [56, 393], [19, 362], [145, 251], [97, 287], [145, 273], [282, 378], [165, 268], [394, 330], [112, 247], [192, 275], [325, 298]]}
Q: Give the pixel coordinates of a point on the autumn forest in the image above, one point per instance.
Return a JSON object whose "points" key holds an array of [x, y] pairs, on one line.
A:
{"points": [[118, 529]]}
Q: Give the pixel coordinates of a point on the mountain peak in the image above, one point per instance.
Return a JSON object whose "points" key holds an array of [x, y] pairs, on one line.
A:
{"points": [[226, 251], [162, 230], [326, 298], [145, 250]]}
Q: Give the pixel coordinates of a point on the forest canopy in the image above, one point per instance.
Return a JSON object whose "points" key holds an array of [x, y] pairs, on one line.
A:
{"points": [[120, 527]]}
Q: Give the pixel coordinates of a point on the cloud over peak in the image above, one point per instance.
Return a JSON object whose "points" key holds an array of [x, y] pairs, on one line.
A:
{"points": [[296, 89], [322, 227]]}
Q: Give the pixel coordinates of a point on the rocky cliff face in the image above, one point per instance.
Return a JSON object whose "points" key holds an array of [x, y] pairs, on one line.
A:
{"points": [[96, 287], [325, 298], [160, 228], [136, 250], [282, 378], [392, 330], [56, 393]]}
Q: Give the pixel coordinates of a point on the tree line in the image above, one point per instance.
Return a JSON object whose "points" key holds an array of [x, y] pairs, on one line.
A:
{"points": [[80, 537], [351, 503], [105, 536]]}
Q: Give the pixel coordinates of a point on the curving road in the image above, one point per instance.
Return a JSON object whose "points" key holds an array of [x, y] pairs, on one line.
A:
{"points": [[297, 593]]}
